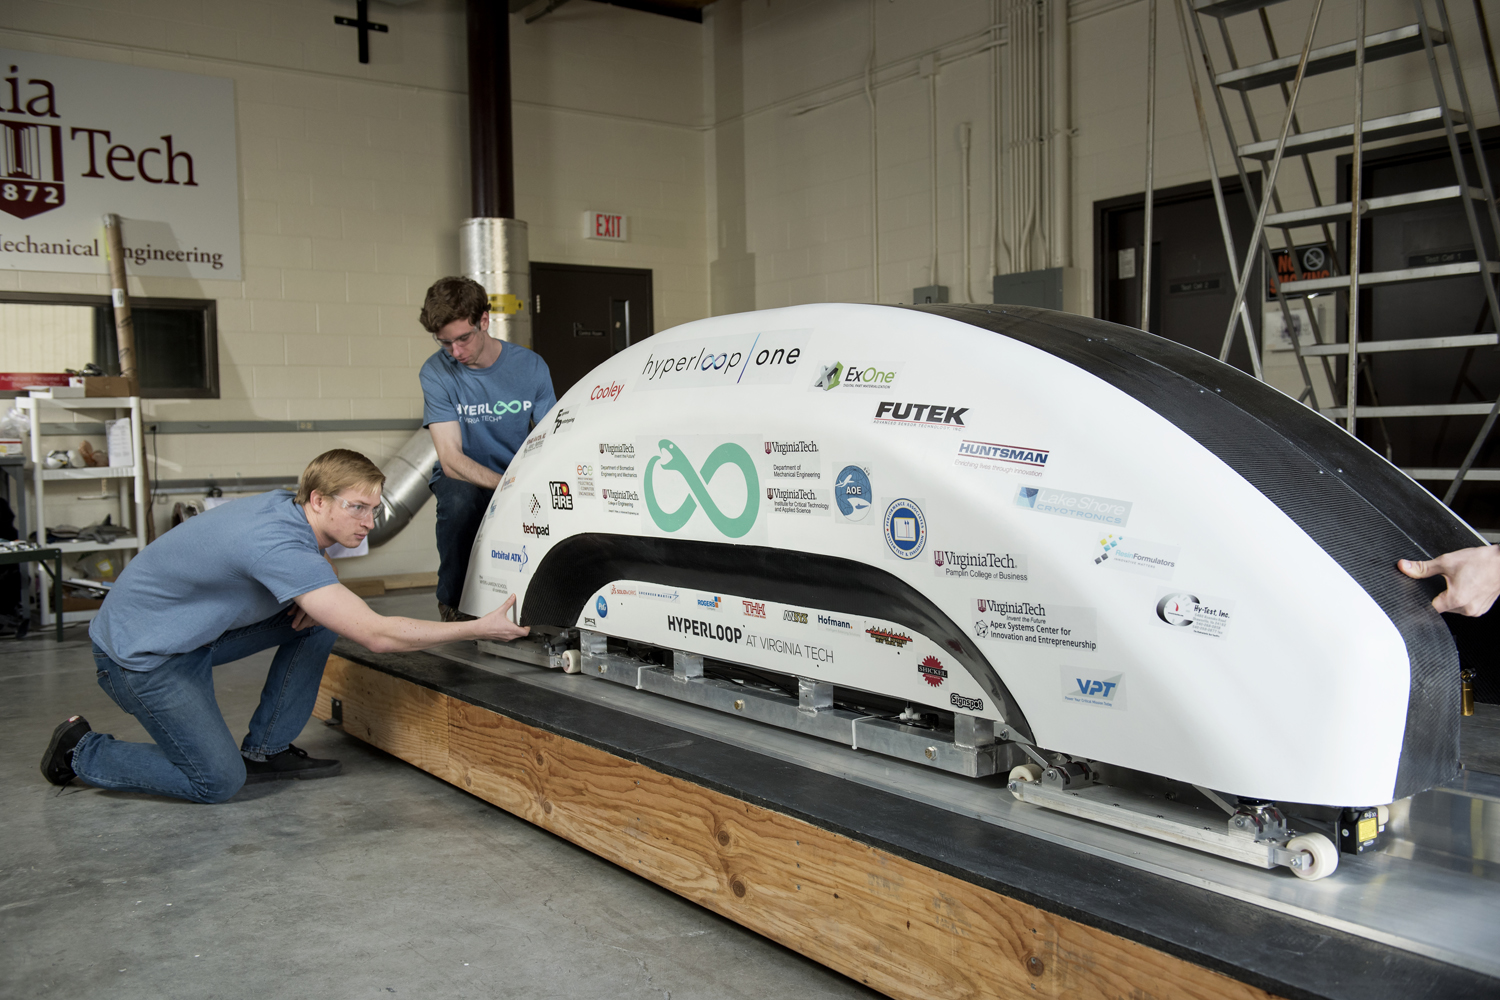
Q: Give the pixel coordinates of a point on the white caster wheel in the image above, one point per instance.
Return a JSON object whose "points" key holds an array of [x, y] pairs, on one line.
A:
{"points": [[1382, 815], [1026, 772], [1320, 858], [571, 661]]}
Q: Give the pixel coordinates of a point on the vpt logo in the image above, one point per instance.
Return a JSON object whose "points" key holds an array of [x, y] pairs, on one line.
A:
{"points": [[672, 459], [1095, 688], [1101, 692]]}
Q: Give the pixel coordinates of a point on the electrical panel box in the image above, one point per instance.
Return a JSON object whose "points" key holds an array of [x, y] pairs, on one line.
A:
{"points": [[928, 294], [1058, 288]]}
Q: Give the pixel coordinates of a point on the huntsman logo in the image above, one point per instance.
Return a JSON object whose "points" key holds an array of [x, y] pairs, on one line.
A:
{"points": [[697, 482]]}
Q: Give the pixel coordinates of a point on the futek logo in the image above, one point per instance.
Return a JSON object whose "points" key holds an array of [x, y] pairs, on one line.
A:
{"points": [[913, 413]]}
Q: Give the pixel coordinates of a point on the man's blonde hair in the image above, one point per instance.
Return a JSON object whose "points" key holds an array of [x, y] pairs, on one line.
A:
{"points": [[338, 470]]}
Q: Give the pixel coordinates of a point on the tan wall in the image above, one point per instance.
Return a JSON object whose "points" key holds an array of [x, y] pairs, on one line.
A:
{"points": [[353, 182]]}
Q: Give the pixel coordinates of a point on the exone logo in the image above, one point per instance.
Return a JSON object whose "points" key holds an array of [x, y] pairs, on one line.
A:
{"points": [[697, 482]]}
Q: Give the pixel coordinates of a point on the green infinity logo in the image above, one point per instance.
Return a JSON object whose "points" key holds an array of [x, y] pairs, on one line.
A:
{"points": [[724, 454]]}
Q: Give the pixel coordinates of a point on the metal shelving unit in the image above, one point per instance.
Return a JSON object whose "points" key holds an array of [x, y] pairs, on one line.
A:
{"points": [[131, 478]]}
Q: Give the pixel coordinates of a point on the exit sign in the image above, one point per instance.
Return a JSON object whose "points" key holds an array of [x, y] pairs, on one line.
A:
{"points": [[604, 226]]}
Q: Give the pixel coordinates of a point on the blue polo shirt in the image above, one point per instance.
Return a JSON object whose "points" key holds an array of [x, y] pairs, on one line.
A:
{"points": [[232, 566], [495, 407]]}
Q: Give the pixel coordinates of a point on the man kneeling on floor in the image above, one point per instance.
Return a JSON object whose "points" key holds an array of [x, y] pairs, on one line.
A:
{"points": [[243, 577]]}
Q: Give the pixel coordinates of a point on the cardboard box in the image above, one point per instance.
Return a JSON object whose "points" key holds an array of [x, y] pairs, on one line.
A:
{"points": [[102, 385], [10, 448]]}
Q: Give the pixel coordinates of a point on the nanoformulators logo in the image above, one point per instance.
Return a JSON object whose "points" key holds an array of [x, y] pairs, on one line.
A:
{"points": [[932, 671], [1137, 556], [1079, 506], [672, 459], [905, 529]]}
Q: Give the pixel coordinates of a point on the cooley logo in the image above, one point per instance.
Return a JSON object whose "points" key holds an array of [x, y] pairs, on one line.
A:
{"points": [[605, 393], [697, 483], [920, 414], [837, 375], [763, 358]]}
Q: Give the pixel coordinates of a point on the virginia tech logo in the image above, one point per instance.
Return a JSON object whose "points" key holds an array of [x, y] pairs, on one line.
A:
{"points": [[676, 461]]}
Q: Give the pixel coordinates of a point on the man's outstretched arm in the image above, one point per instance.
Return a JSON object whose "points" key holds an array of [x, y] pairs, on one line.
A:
{"points": [[337, 608], [1473, 577]]}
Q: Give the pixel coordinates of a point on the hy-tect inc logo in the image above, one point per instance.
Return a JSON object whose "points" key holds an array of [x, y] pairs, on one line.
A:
{"points": [[854, 375], [672, 459]]}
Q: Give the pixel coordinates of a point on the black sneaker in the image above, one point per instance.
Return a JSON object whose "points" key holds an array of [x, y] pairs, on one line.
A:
{"points": [[57, 762], [448, 614], [293, 762]]}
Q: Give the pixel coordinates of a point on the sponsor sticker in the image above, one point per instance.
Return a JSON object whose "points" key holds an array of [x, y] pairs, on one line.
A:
{"points": [[562, 495], [794, 460], [1195, 613], [619, 591], [852, 496], [1135, 555], [920, 414], [846, 376], [602, 606], [534, 443], [538, 530], [836, 623], [932, 670], [979, 565], [618, 501], [797, 617], [510, 557], [711, 603], [992, 457], [507, 483], [1084, 687], [676, 485], [1079, 506], [584, 483], [905, 528], [888, 636], [754, 609], [658, 594], [964, 703], [797, 501], [606, 392], [1038, 623], [562, 420], [770, 357]]}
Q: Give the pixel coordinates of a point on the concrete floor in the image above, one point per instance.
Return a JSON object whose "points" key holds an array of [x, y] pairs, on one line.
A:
{"points": [[381, 882]]}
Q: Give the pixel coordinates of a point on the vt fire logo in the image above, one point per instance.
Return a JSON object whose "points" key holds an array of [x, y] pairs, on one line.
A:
{"points": [[31, 170]]}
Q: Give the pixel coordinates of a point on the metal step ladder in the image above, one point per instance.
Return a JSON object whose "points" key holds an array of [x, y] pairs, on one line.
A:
{"points": [[1287, 73]]}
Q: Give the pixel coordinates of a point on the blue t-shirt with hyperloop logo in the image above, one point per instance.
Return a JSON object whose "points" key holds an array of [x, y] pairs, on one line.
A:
{"points": [[495, 407]]}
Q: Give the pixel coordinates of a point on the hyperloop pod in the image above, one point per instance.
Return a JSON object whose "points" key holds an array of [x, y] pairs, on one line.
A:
{"points": [[1105, 544]]}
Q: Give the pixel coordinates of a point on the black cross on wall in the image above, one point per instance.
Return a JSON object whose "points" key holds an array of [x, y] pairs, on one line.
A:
{"points": [[365, 26]]}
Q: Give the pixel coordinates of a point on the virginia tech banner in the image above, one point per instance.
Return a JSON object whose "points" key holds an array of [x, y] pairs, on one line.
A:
{"points": [[80, 138]]}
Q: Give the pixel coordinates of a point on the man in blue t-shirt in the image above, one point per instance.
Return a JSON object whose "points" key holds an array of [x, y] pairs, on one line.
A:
{"points": [[481, 397], [243, 577]]}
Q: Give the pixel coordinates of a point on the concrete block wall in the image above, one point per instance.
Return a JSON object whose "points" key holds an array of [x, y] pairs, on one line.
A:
{"points": [[353, 181]]}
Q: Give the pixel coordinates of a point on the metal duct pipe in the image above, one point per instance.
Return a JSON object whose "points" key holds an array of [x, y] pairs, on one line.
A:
{"points": [[494, 253], [405, 489], [492, 173]]}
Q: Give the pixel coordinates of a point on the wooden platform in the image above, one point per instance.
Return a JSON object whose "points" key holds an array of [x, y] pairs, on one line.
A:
{"points": [[914, 922]]}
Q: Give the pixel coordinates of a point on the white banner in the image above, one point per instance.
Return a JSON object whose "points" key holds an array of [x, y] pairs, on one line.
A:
{"points": [[80, 138]]}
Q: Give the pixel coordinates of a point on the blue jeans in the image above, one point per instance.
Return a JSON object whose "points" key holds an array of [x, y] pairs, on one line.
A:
{"points": [[460, 508], [194, 756]]}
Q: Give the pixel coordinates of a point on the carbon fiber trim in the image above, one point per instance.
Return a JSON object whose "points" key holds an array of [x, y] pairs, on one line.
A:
{"points": [[1359, 508], [578, 566]]}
